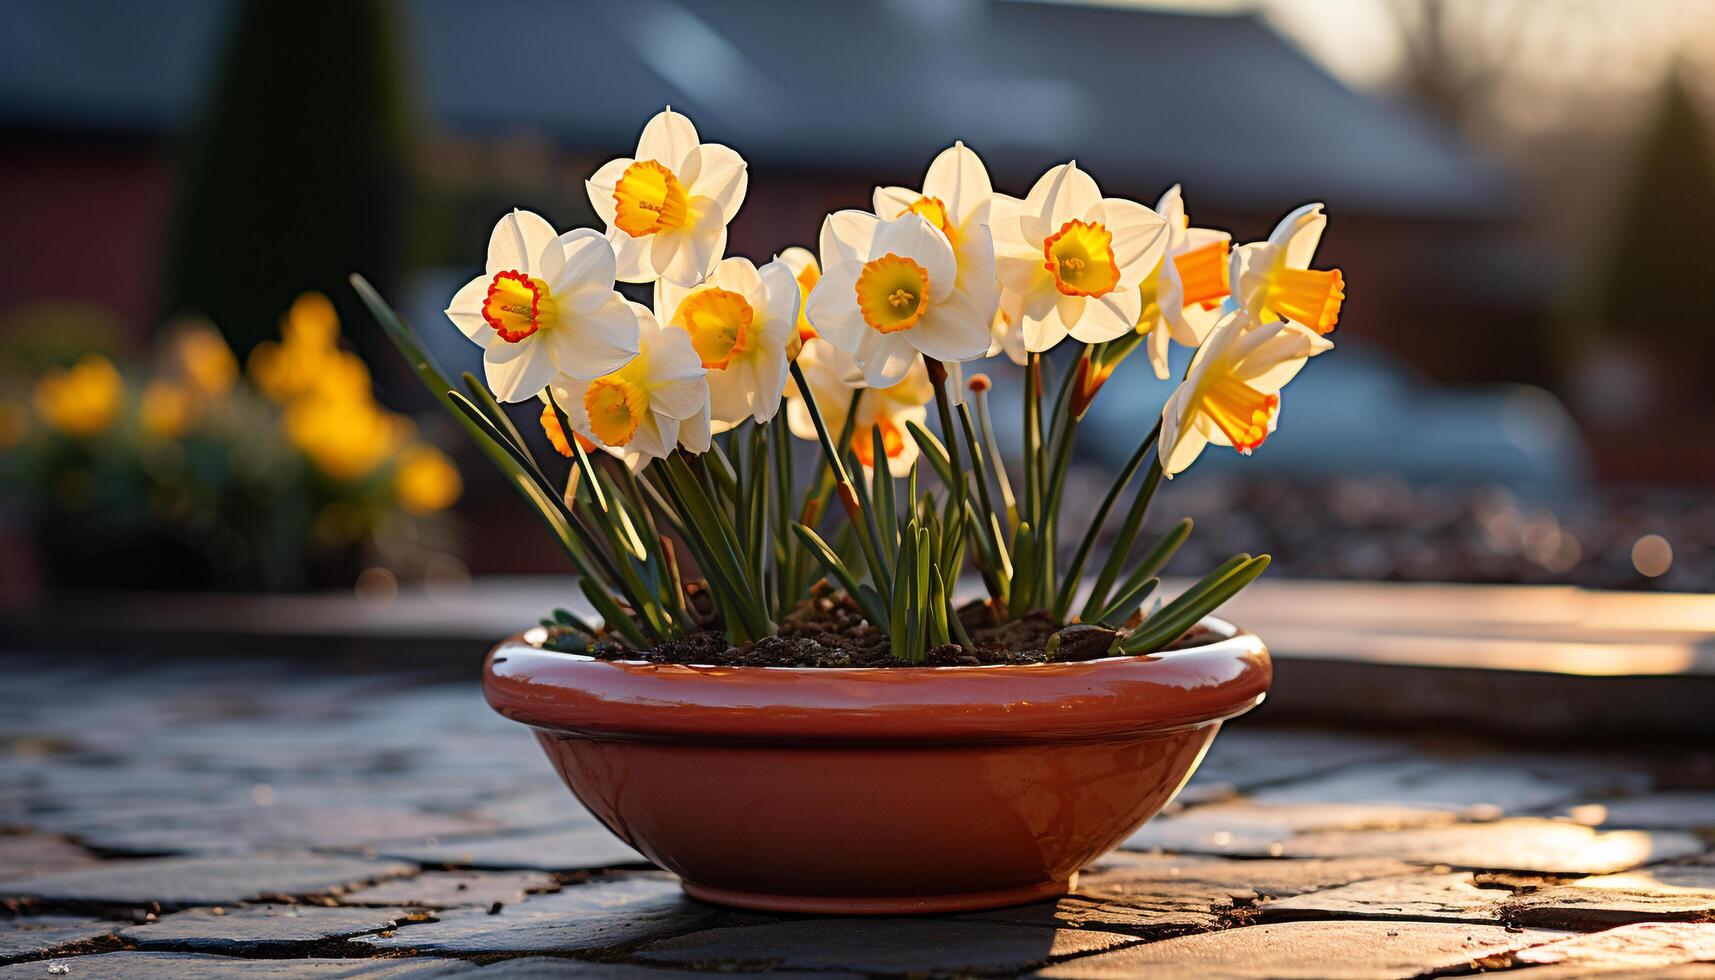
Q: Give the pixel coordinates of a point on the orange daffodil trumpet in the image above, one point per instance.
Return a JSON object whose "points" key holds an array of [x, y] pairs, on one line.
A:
{"points": [[1075, 259], [1273, 279], [1182, 300], [545, 305], [1231, 394], [657, 401], [668, 207], [741, 321]]}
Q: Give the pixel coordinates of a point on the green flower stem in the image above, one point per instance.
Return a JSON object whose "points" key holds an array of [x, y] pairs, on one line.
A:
{"points": [[1123, 544], [868, 540], [1075, 571], [986, 425], [943, 409]]}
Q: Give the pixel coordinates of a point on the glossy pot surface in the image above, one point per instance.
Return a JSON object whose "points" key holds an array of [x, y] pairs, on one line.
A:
{"points": [[877, 790]]}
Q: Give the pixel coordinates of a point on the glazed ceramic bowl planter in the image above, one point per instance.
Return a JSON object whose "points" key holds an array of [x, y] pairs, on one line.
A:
{"points": [[877, 790]]}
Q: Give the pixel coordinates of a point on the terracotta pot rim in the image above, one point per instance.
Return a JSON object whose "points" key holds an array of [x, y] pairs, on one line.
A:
{"points": [[1091, 699]]}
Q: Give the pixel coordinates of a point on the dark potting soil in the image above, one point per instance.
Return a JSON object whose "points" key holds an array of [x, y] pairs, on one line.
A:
{"points": [[827, 630]]}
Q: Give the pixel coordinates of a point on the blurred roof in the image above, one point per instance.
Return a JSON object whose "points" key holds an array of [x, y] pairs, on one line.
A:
{"points": [[1140, 97]]}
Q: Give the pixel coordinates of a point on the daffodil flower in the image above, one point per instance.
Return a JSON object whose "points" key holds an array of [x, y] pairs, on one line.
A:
{"points": [[955, 198], [833, 376], [657, 401], [545, 306], [1273, 279], [1006, 331], [1182, 299], [808, 272], [1075, 259], [888, 292], [740, 320], [83, 400], [1231, 394], [667, 209]]}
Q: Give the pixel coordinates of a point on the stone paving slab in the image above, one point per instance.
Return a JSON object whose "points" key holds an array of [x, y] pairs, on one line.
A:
{"points": [[249, 828], [22, 855], [1123, 874], [1679, 810], [1542, 846], [1645, 946], [253, 929], [454, 889], [1313, 950], [1484, 787], [884, 946], [594, 916], [37, 935], [575, 849], [1246, 827], [1660, 892], [176, 966], [1452, 897], [181, 882]]}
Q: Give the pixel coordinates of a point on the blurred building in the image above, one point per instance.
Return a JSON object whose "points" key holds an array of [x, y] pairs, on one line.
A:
{"points": [[825, 100]]}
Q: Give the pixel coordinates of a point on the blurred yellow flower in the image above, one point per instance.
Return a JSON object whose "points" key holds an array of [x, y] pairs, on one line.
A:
{"points": [[14, 423], [201, 357], [426, 480], [347, 440], [167, 410], [82, 401], [309, 341]]}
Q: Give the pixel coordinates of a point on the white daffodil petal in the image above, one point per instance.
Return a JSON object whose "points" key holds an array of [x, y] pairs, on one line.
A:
{"points": [[1042, 333], [597, 343], [465, 310], [738, 275], [720, 175], [517, 372], [1299, 233], [832, 310], [600, 187], [958, 178], [1108, 316], [1156, 344], [695, 434], [1020, 269], [631, 257], [667, 139], [587, 269], [697, 252], [1171, 207], [1139, 238], [517, 241], [885, 358], [780, 298], [1060, 195], [891, 202], [769, 383], [952, 330], [730, 395], [568, 393], [846, 237]]}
